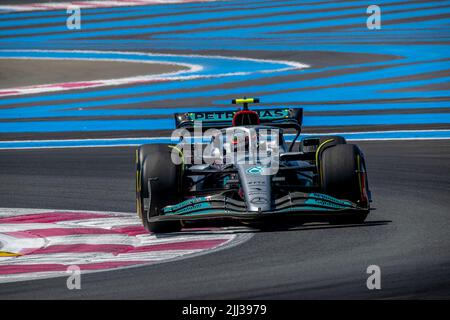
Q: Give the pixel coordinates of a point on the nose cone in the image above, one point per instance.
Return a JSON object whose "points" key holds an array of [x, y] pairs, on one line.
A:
{"points": [[256, 186]]}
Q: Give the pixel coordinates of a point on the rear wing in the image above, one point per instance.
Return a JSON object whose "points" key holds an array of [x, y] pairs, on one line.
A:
{"points": [[277, 117]]}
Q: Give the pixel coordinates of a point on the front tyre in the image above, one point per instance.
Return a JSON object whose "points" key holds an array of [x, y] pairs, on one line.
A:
{"points": [[158, 184], [343, 176]]}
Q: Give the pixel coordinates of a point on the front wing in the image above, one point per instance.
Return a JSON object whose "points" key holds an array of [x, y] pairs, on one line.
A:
{"points": [[296, 204]]}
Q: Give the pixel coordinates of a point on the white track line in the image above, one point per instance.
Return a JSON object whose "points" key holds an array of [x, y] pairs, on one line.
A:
{"points": [[172, 76], [91, 4]]}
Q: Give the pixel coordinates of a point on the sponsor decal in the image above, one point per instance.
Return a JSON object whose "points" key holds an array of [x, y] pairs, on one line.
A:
{"points": [[324, 199], [197, 206], [269, 114], [188, 205], [259, 200], [255, 170]]}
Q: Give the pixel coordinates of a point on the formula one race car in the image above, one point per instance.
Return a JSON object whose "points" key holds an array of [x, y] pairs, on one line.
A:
{"points": [[238, 169]]}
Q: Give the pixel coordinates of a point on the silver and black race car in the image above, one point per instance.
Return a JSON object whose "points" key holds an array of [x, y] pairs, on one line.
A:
{"points": [[235, 167]]}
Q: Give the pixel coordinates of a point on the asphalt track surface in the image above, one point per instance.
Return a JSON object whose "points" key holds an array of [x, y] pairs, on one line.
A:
{"points": [[28, 72], [406, 235]]}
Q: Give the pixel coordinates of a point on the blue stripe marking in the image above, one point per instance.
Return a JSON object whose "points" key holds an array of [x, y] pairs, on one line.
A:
{"points": [[160, 124], [302, 93], [152, 88], [133, 13], [389, 135], [58, 112], [334, 19]]}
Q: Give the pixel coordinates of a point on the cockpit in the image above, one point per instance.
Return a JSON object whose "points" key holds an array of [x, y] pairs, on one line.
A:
{"points": [[245, 141]]}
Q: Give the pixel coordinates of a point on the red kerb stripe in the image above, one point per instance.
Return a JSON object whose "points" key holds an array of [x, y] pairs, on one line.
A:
{"points": [[51, 217]]}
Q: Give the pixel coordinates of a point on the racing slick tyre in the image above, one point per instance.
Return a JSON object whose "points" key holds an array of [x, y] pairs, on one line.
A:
{"points": [[343, 176], [157, 185], [335, 140], [326, 142]]}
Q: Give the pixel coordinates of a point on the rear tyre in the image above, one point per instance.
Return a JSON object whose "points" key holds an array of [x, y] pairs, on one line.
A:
{"points": [[158, 184], [343, 176]]}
